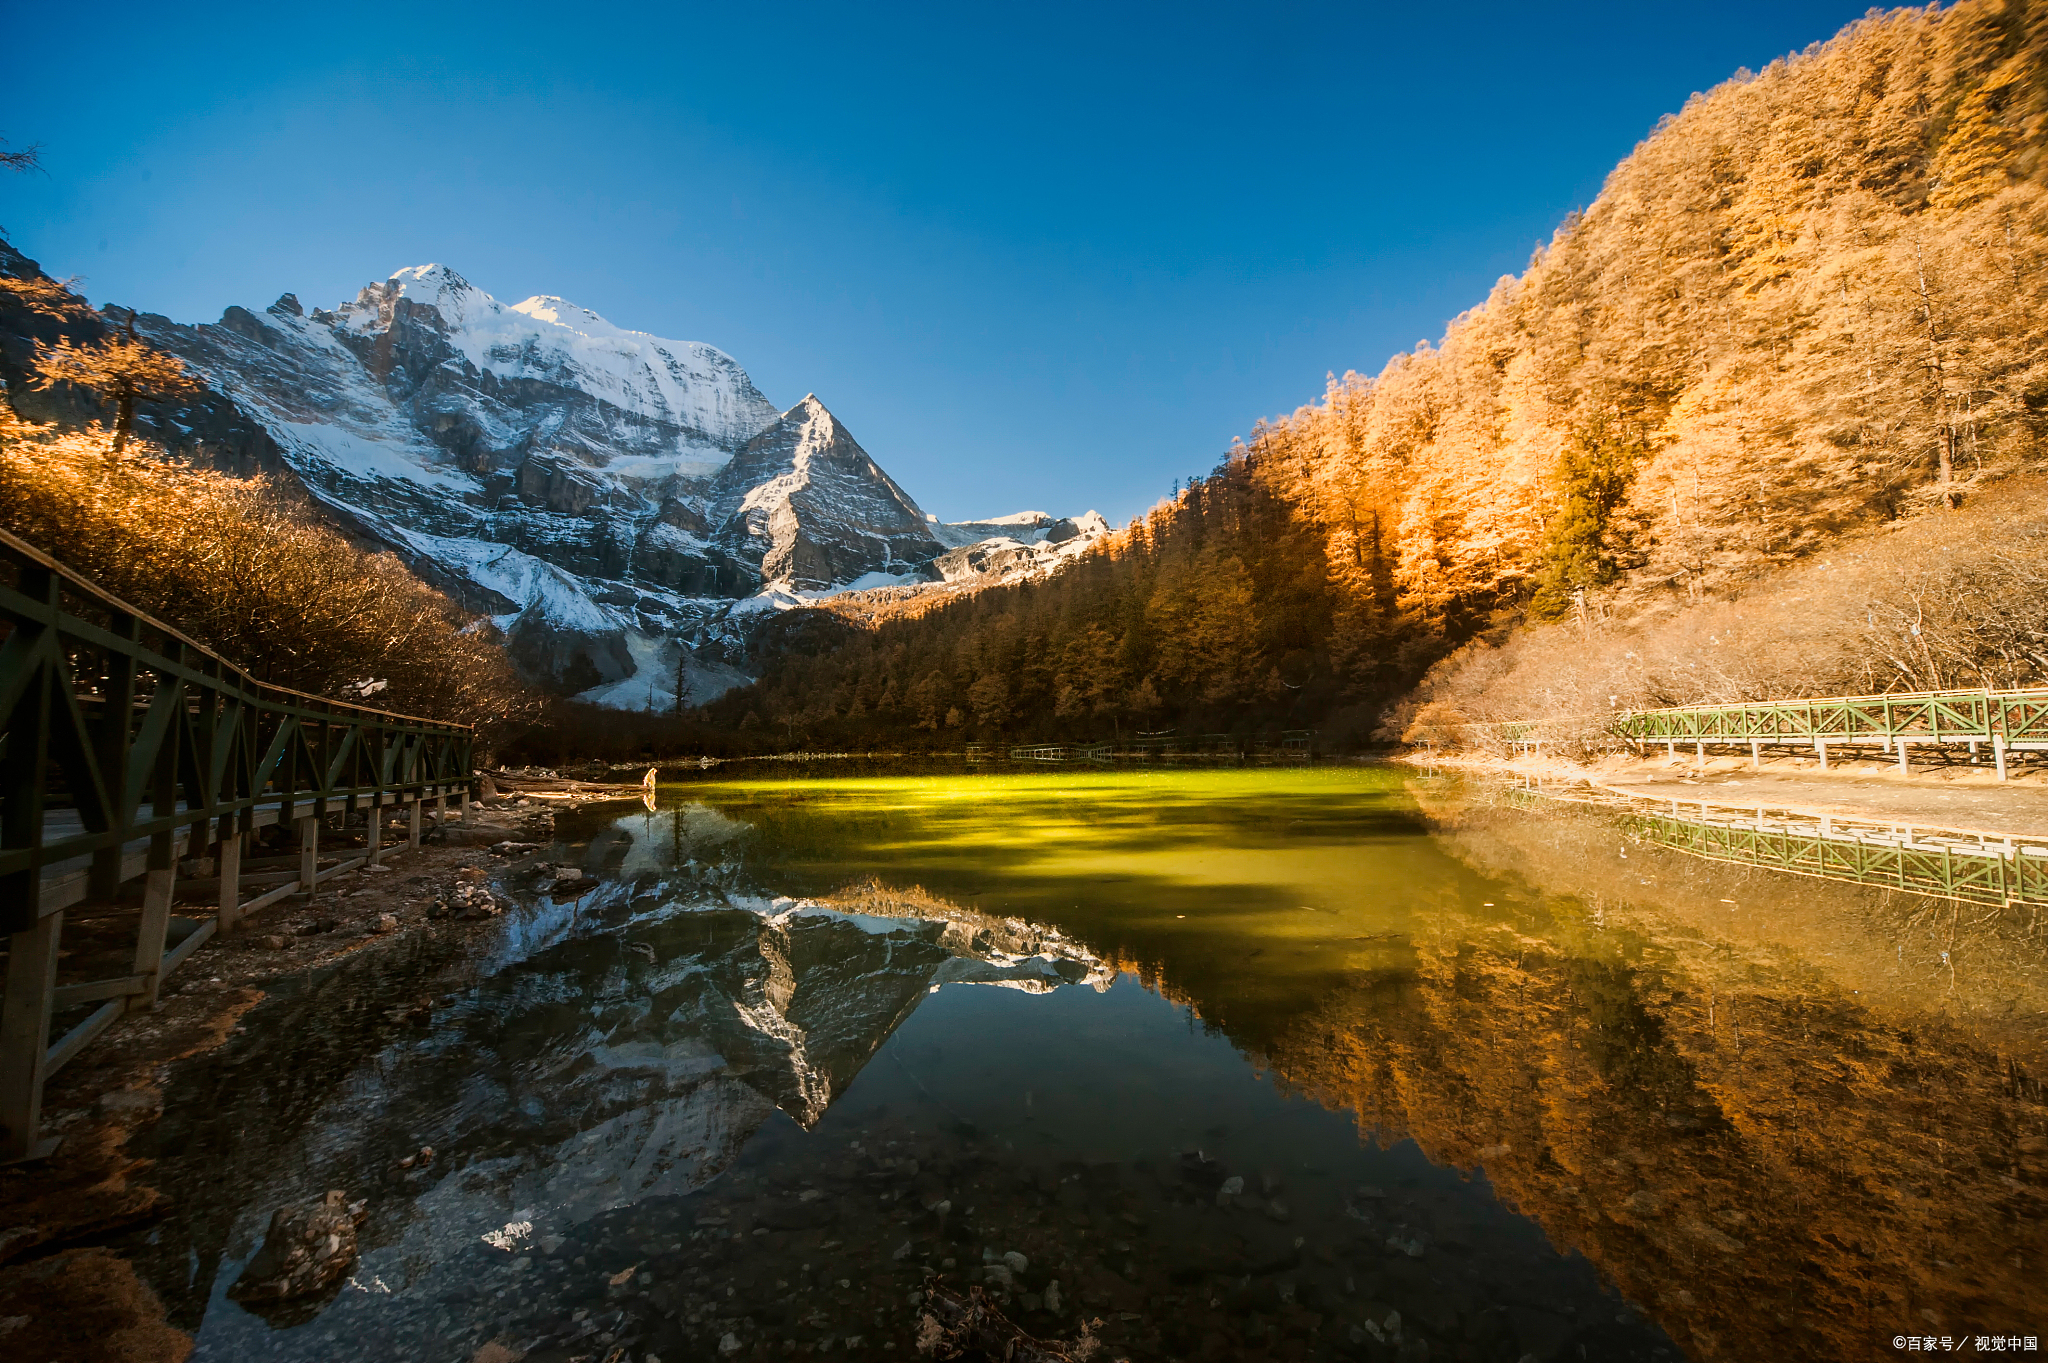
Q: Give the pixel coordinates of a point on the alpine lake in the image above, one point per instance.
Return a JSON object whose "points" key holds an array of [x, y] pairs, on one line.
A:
{"points": [[1312, 1062]]}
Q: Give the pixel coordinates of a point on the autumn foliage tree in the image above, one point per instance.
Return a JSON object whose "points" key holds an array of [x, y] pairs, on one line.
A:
{"points": [[120, 370], [116, 370]]}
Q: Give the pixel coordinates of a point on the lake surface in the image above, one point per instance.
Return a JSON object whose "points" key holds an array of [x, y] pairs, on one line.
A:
{"points": [[1294, 1063]]}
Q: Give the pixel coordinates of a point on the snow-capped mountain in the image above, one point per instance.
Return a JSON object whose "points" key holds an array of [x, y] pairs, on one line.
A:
{"points": [[1027, 544], [808, 504], [622, 505]]}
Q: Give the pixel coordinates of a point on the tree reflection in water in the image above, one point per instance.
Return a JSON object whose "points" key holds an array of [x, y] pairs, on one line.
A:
{"points": [[756, 1071]]}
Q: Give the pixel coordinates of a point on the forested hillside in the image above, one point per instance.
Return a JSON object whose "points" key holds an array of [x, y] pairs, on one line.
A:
{"points": [[1812, 302]]}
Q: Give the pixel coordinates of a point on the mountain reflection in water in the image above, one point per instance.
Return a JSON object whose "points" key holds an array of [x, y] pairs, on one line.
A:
{"points": [[1782, 1118]]}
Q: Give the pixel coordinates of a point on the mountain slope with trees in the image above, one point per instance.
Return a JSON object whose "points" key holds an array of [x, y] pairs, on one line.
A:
{"points": [[1813, 302]]}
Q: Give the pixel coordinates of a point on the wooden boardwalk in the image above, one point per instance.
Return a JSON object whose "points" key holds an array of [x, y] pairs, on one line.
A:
{"points": [[1061, 752], [1989, 723], [126, 749]]}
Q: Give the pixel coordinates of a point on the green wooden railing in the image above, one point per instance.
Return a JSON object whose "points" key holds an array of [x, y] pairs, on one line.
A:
{"points": [[2019, 718], [122, 744]]}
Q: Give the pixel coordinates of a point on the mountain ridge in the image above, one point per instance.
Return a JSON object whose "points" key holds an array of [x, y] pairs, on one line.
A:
{"points": [[626, 508]]}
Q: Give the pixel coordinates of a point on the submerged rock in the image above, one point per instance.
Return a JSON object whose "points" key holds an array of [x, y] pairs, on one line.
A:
{"points": [[308, 1248], [1198, 1169]]}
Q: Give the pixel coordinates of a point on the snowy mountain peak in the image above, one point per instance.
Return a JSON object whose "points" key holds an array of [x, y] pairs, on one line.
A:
{"points": [[622, 505], [545, 307], [429, 283], [815, 507], [435, 286], [820, 436]]}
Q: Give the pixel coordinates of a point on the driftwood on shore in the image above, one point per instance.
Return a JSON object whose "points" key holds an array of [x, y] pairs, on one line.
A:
{"points": [[972, 1328]]}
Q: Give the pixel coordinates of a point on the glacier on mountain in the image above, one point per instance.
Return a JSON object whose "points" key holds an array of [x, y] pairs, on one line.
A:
{"points": [[625, 508]]}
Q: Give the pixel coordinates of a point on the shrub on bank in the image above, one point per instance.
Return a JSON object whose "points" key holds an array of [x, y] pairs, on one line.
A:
{"points": [[247, 569]]}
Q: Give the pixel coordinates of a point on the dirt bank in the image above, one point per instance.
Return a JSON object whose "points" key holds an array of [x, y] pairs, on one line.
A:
{"points": [[1957, 797], [62, 1294]]}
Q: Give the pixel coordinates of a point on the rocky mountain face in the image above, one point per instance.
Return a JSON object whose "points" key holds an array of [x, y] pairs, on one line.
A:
{"points": [[627, 509], [809, 505]]}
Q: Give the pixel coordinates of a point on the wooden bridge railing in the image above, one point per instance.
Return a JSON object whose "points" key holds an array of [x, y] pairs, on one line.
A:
{"points": [[2001, 720], [1977, 868], [124, 744], [1060, 752]]}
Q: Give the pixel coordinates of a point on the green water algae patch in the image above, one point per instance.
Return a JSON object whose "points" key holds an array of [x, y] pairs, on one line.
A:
{"points": [[1258, 888]]}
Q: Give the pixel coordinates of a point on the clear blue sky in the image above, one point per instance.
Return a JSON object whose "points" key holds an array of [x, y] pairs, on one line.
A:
{"points": [[1048, 256]]}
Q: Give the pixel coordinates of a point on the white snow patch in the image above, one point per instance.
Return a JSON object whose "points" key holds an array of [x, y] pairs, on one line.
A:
{"points": [[773, 597], [509, 1236], [867, 582], [665, 536], [370, 460], [527, 582], [652, 687], [689, 461]]}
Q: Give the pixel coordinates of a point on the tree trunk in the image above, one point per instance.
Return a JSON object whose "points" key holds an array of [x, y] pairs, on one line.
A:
{"points": [[124, 415]]}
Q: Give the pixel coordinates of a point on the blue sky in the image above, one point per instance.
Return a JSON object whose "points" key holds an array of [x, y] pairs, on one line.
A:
{"points": [[1050, 256]]}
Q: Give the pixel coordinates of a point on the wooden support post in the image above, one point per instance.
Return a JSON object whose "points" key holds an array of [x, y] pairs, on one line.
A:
{"points": [[1904, 769], [25, 1038], [227, 859], [1699, 753], [440, 806], [1998, 750], [1827, 826], [1671, 748], [1821, 747], [413, 808], [309, 853], [373, 836], [462, 810], [155, 926], [1756, 755]]}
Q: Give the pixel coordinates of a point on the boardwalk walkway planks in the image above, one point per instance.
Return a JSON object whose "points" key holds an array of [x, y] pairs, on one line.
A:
{"points": [[127, 746]]}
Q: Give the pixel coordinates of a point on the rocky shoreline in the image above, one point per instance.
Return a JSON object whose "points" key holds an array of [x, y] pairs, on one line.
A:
{"points": [[64, 1293]]}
